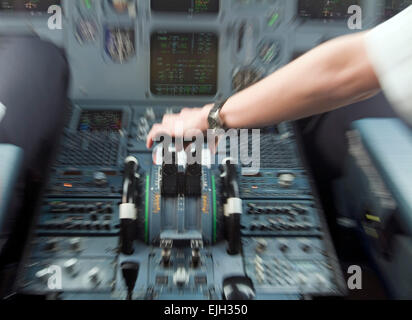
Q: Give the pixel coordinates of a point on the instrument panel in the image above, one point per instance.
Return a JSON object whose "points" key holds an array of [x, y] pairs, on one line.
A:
{"points": [[247, 39], [38, 6], [325, 9], [186, 6], [183, 64], [133, 62]]}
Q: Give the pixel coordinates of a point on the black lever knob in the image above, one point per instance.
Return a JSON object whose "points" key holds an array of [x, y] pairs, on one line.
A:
{"points": [[238, 288], [127, 209], [130, 271], [233, 206]]}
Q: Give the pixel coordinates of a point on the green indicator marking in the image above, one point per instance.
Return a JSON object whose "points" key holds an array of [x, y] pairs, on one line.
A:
{"points": [[269, 55], [273, 19], [146, 209], [214, 207], [88, 4]]}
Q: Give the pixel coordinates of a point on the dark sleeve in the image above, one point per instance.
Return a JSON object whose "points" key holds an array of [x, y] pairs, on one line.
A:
{"points": [[33, 90]]}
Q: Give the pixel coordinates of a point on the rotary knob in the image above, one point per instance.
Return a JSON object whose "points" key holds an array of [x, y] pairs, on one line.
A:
{"points": [[286, 180], [100, 178]]}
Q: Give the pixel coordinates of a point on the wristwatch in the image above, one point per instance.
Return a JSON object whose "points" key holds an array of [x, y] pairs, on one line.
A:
{"points": [[214, 120]]}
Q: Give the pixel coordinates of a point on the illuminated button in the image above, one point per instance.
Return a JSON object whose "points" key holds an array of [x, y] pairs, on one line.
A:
{"points": [[42, 275], [286, 180], [70, 265], [100, 178], [273, 19], [258, 260], [259, 268], [260, 277], [94, 275], [180, 277], [75, 244], [269, 51]]}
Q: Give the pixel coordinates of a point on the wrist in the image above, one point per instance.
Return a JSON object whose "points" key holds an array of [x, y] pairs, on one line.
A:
{"points": [[223, 114], [205, 116]]}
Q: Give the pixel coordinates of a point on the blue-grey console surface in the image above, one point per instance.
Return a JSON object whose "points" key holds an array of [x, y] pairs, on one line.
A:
{"points": [[376, 193], [130, 64], [389, 143]]}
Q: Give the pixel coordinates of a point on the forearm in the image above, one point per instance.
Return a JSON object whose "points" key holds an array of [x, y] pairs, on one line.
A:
{"points": [[332, 75]]}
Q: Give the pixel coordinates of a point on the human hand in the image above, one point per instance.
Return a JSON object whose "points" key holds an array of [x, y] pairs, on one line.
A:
{"points": [[184, 124]]}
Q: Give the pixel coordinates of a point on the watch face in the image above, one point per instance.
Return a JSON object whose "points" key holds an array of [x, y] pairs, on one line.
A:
{"points": [[213, 119], [212, 123]]}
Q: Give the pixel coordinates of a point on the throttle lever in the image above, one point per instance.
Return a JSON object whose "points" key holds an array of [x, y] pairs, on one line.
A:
{"points": [[127, 209]]}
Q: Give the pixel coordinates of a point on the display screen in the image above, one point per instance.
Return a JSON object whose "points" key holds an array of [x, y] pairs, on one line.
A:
{"points": [[189, 6], [183, 64], [27, 5], [393, 7], [92, 120], [325, 9]]}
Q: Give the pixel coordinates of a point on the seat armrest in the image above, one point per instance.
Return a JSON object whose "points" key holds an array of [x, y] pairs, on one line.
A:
{"points": [[11, 159]]}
